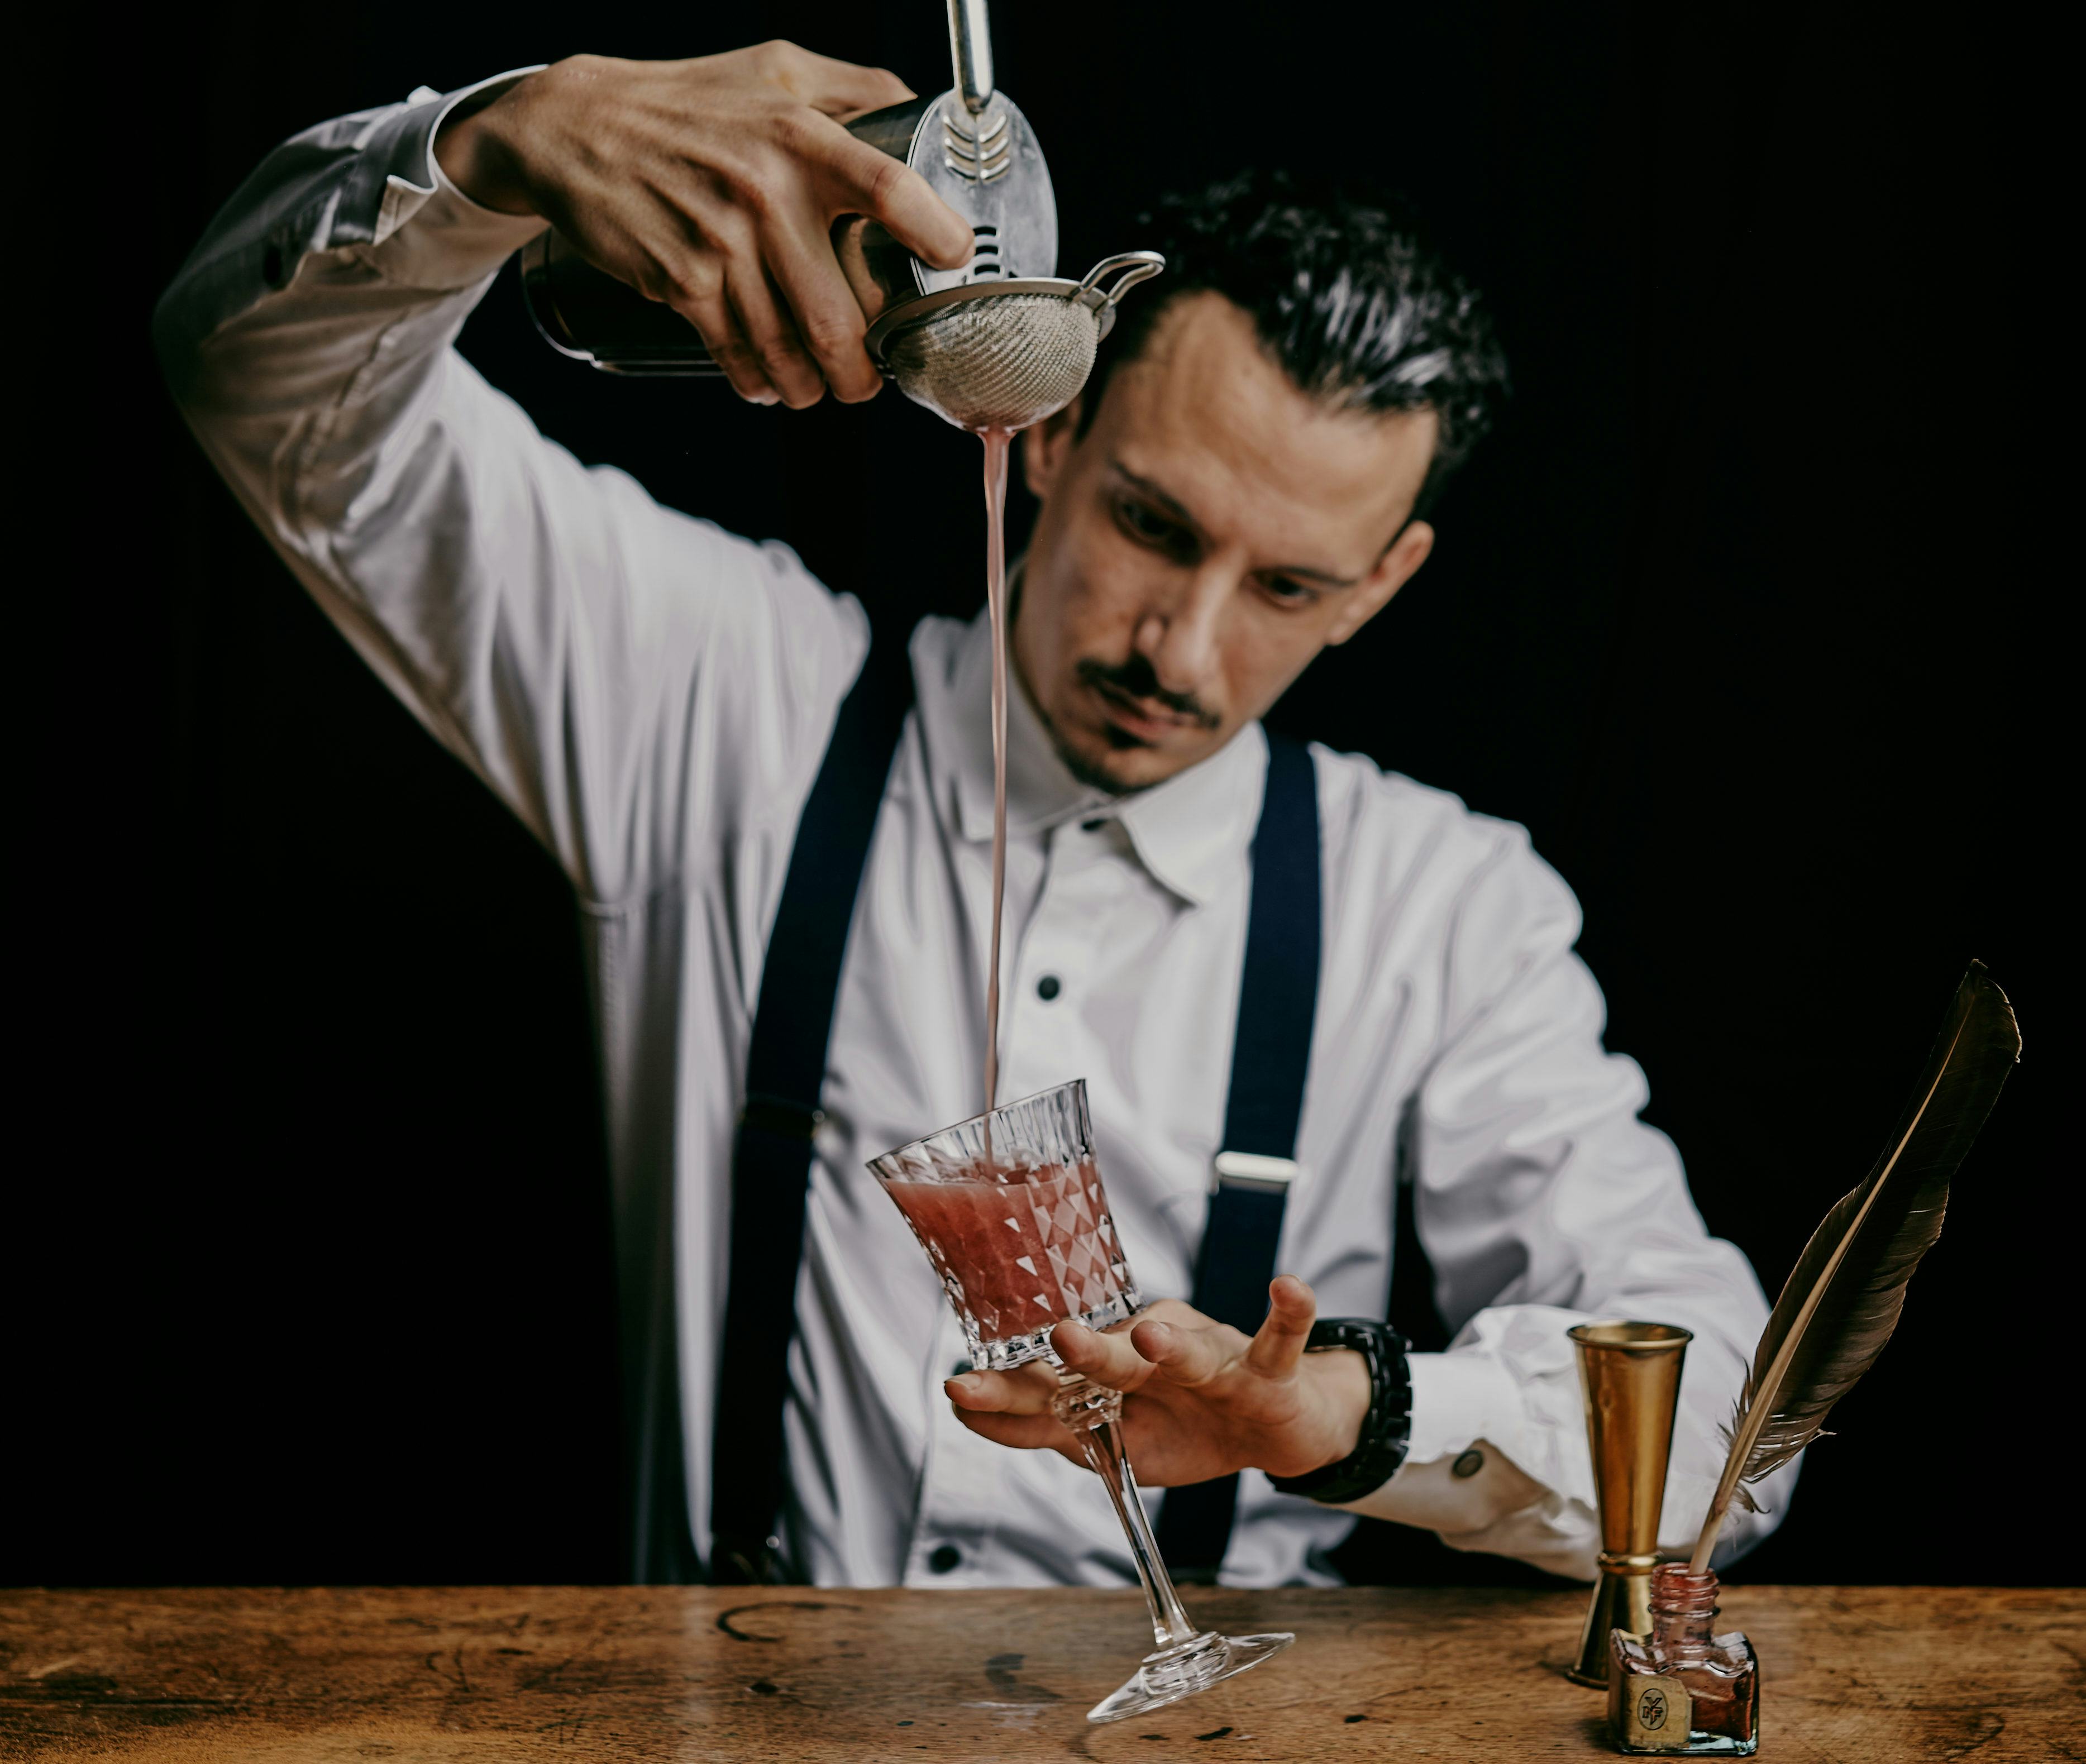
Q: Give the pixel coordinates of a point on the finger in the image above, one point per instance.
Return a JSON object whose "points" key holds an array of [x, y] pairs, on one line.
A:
{"points": [[1181, 1356], [1177, 1310], [824, 309], [999, 1393], [770, 332], [838, 88], [1024, 1433], [1107, 1359], [1280, 1342], [874, 184], [685, 275], [711, 316]]}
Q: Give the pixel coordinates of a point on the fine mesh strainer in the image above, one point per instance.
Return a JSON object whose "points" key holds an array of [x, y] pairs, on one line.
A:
{"points": [[1004, 355]]}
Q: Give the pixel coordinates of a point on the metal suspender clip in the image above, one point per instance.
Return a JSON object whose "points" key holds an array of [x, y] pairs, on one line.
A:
{"points": [[777, 1115], [1250, 1171]]}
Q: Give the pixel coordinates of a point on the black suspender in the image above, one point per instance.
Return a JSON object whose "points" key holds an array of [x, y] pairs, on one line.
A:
{"points": [[785, 1069], [1271, 1055]]}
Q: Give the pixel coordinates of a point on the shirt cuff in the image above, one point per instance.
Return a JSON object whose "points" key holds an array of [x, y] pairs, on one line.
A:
{"points": [[1458, 1398], [427, 233], [1463, 1472]]}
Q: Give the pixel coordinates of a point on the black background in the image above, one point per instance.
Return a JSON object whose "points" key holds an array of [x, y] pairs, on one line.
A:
{"points": [[1738, 612]]}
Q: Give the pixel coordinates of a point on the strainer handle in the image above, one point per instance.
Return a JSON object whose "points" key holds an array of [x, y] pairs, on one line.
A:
{"points": [[970, 50], [1136, 266]]}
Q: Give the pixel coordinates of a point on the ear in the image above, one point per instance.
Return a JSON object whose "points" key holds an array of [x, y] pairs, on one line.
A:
{"points": [[1393, 570], [1046, 446]]}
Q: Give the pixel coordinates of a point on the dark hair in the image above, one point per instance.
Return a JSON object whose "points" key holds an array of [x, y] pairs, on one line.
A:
{"points": [[1346, 292]]}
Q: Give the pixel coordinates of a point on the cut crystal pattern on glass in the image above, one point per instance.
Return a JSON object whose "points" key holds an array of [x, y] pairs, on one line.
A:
{"points": [[1018, 1228]]}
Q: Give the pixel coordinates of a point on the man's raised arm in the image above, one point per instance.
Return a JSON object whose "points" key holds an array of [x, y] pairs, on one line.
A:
{"points": [[626, 678]]}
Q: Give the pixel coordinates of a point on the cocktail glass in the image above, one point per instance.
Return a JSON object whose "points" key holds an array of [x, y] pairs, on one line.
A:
{"points": [[1010, 1209]]}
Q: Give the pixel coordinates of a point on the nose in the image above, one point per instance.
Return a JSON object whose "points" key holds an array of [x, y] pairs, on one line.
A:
{"points": [[1180, 638]]}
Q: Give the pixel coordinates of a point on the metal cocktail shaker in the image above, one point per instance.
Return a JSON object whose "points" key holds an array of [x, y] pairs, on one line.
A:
{"points": [[971, 143]]}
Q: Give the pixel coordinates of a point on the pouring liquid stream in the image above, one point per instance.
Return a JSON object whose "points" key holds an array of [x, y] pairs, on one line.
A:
{"points": [[996, 444]]}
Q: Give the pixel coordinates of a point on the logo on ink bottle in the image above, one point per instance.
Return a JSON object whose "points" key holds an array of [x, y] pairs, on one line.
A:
{"points": [[1651, 1708]]}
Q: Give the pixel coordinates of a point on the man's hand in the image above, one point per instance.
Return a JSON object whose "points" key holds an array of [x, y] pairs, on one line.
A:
{"points": [[712, 186], [1202, 1399]]}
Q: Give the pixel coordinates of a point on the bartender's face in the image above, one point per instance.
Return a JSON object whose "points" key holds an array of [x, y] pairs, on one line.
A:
{"points": [[1212, 530]]}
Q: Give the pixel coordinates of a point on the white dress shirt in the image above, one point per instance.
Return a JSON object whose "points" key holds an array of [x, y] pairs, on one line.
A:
{"points": [[653, 696]]}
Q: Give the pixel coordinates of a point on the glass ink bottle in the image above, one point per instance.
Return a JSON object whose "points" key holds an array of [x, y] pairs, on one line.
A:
{"points": [[1681, 1689]]}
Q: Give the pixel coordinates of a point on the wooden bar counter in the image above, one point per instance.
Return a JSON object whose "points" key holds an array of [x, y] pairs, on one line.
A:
{"points": [[1848, 1675]]}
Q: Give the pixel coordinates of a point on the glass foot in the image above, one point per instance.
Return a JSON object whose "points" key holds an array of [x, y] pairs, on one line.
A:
{"points": [[1175, 1673]]}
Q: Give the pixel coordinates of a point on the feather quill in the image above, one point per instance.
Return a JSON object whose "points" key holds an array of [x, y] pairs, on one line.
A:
{"points": [[1842, 1300]]}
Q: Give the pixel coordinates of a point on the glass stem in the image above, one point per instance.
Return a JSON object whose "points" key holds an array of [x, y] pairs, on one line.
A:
{"points": [[1094, 1413]]}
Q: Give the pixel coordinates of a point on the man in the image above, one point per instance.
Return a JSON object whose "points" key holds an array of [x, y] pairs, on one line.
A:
{"points": [[1243, 485]]}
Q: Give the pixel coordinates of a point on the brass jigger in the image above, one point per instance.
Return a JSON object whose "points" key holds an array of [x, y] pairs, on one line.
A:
{"points": [[1630, 1375]]}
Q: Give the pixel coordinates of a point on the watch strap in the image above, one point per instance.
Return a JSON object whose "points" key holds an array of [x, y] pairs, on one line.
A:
{"points": [[1386, 1430]]}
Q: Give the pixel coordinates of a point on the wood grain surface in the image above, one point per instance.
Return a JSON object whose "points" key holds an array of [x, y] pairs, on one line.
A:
{"points": [[1849, 1675]]}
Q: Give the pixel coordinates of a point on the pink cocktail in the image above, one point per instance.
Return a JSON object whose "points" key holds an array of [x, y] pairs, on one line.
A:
{"points": [[1020, 1250], [1010, 1209]]}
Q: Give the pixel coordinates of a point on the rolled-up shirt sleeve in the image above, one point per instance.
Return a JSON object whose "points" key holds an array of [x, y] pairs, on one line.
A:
{"points": [[1544, 1201], [639, 687]]}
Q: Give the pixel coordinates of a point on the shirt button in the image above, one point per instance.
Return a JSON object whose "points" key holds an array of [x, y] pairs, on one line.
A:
{"points": [[945, 1558], [1468, 1464], [1047, 988]]}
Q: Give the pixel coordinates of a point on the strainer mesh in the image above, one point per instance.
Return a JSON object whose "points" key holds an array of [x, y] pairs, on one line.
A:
{"points": [[1001, 362]]}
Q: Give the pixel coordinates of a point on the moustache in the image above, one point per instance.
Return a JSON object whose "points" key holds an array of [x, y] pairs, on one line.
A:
{"points": [[1135, 679]]}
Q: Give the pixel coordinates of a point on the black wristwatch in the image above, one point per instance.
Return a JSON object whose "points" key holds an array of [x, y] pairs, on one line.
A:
{"points": [[1387, 1428]]}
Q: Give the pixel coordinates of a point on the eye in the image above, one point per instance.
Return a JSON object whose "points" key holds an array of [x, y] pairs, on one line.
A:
{"points": [[1141, 520], [1285, 591]]}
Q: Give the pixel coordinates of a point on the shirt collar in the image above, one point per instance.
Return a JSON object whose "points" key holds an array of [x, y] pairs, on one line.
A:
{"points": [[1190, 832]]}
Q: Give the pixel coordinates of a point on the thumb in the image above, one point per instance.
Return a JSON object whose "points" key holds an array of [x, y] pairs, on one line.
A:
{"points": [[1278, 1344], [842, 89]]}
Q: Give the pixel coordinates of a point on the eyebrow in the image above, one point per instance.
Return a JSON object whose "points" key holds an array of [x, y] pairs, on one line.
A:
{"points": [[1173, 506]]}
